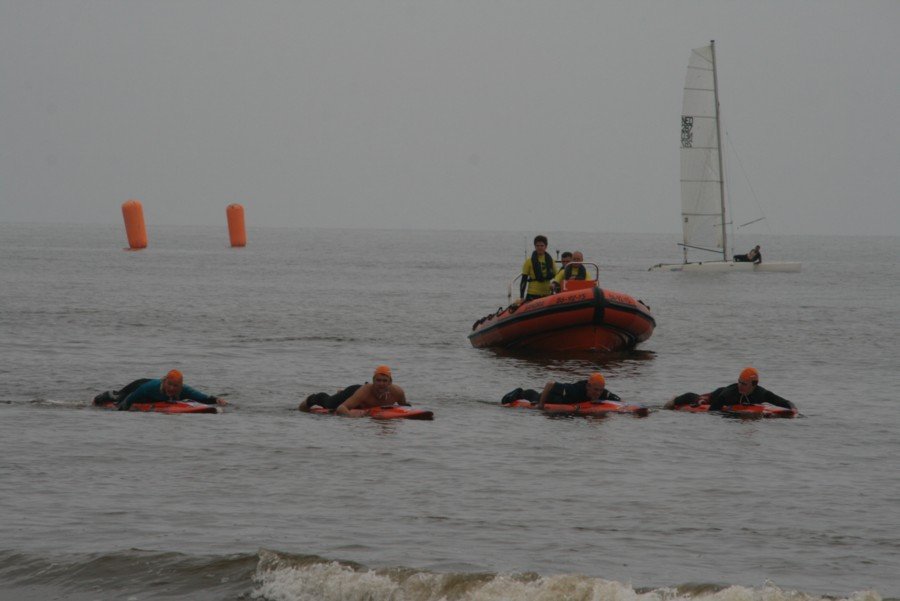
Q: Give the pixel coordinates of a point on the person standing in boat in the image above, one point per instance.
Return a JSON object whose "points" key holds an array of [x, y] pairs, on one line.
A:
{"points": [[571, 270], [167, 389], [354, 400], [754, 256], [746, 391], [591, 390], [537, 271]]}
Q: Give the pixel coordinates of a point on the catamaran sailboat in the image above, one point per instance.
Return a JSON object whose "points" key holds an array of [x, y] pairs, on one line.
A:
{"points": [[703, 175]]}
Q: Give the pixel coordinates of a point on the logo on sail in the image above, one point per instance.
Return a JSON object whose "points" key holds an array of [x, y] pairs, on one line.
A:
{"points": [[687, 131]]}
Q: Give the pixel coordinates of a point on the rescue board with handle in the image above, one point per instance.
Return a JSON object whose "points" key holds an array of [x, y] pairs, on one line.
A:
{"points": [[165, 407], [760, 410], [388, 412], [586, 408]]}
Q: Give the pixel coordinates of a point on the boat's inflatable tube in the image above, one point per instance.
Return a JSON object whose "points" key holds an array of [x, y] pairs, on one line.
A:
{"points": [[389, 412], [585, 409], [163, 407], [701, 405], [590, 319]]}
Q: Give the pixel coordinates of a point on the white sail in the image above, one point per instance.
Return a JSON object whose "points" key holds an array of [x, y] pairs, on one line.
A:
{"points": [[703, 176], [702, 200]]}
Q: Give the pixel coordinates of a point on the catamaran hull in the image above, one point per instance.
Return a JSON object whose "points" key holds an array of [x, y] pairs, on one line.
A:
{"points": [[592, 319], [725, 266]]}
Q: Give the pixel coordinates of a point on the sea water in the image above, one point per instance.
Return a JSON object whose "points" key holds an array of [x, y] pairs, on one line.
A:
{"points": [[264, 502]]}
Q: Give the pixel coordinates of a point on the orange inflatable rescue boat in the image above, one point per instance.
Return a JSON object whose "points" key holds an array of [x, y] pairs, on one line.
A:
{"points": [[582, 317]]}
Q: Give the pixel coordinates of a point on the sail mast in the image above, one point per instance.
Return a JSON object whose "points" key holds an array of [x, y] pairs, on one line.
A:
{"points": [[712, 46]]}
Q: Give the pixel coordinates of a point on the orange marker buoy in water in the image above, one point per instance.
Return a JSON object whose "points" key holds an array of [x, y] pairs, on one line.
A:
{"points": [[236, 231], [133, 213]]}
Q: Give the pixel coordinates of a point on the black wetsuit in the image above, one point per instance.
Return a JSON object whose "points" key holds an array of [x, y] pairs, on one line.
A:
{"points": [[331, 402], [757, 258], [117, 396], [577, 393], [514, 395], [559, 394], [688, 398], [147, 390], [729, 395]]}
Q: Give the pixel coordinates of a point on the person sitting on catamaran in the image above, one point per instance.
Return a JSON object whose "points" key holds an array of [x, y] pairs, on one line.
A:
{"points": [[754, 256]]}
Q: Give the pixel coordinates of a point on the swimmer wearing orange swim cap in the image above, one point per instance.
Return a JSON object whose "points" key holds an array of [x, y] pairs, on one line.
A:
{"points": [[749, 374], [597, 379], [381, 392], [591, 390], [169, 388], [746, 391]]}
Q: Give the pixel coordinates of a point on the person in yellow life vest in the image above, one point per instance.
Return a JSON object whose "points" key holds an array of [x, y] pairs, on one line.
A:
{"points": [[571, 270], [537, 271]]}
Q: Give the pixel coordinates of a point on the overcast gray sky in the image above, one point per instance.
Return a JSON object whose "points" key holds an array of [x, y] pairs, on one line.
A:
{"points": [[554, 115]]}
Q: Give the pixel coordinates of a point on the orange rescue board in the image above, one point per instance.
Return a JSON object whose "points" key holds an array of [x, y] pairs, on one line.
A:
{"points": [[587, 408], [389, 412], [166, 407], [749, 411]]}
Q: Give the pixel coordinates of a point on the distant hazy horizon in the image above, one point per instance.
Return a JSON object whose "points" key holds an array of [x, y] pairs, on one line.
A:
{"points": [[526, 116], [742, 236]]}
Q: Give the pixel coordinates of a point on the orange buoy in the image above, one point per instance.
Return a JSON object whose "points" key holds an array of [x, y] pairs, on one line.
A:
{"points": [[133, 213], [236, 231]]}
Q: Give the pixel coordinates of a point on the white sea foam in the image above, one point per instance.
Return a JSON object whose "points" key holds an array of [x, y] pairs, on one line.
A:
{"points": [[332, 581]]}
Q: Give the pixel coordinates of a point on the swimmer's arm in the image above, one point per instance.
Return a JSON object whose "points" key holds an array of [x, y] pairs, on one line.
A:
{"points": [[778, 401], [401, 397], [349, 407], [545, 394], [192, 394], [610, 396]]}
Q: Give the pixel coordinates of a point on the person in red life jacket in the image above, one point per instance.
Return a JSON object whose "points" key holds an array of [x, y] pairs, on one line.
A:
{"points": [[353, 401]]}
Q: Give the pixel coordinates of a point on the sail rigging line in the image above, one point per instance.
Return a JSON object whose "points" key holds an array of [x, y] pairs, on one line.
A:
{"points": [[751, 222], [749, 186], [718, 113], [712, 250]]}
